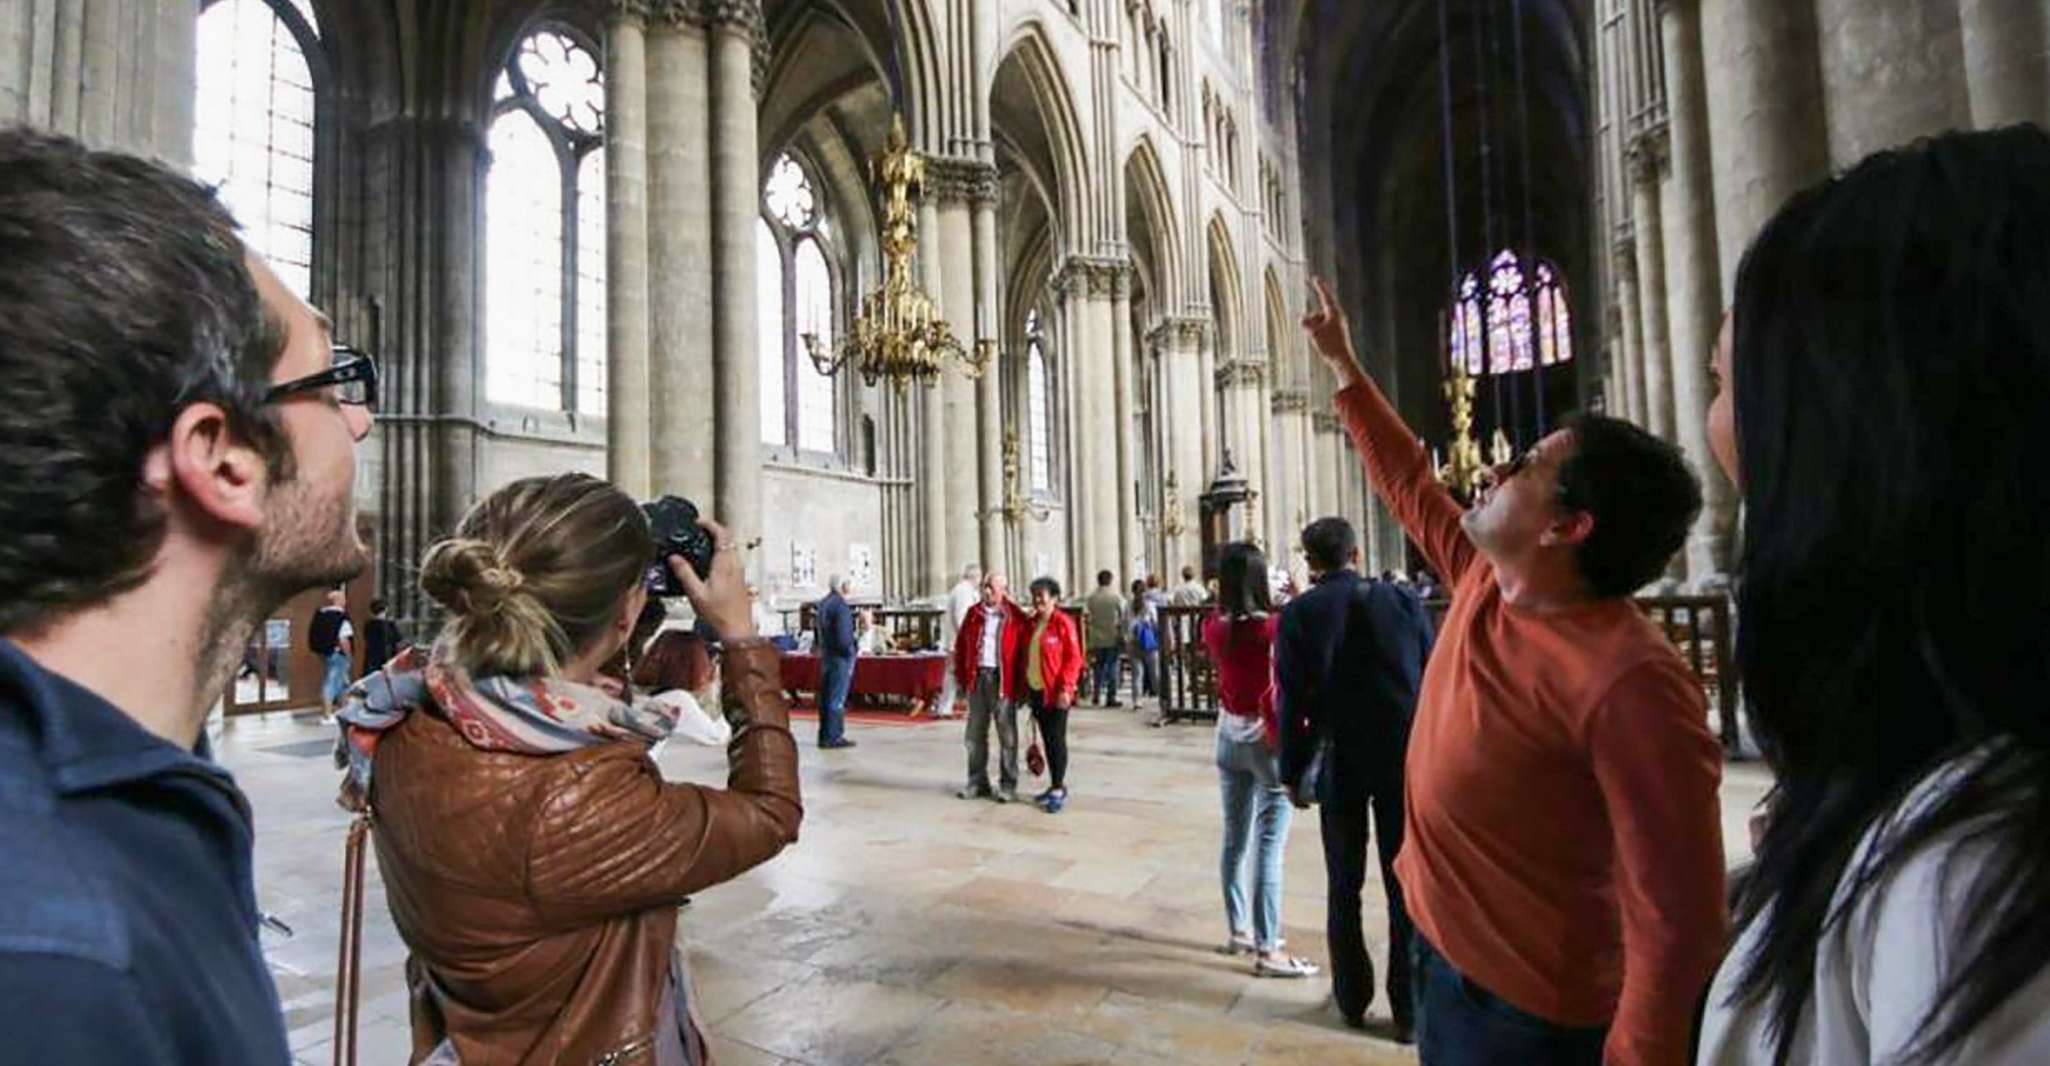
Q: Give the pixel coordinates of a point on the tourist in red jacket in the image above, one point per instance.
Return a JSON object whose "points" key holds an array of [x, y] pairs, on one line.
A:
{"points": [[1050, 662], [989, 667]]}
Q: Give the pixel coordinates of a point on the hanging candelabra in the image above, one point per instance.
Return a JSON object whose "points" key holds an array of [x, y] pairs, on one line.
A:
{"points": [[899, 335], [1462, 468], [1017, 504]]}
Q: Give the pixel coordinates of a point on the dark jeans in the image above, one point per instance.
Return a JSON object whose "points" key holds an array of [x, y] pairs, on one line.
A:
{"points": [[1053, 730], [1459, 1023], [1350, 802], [836, 673], [1103, 674]]}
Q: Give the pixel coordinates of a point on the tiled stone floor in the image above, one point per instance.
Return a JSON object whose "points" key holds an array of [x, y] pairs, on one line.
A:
{"points": [[906, 926]]}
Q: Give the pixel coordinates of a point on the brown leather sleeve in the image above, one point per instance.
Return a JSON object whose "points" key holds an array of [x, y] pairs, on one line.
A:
{"points": [[617, 838]]}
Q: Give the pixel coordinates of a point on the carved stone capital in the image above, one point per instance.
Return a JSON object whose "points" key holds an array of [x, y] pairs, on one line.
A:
{"points": [[673, 12], [1324, 421], [742, 15], [1237, 373], [1288, 401], [1650, 155], [630, 12], [960, 180]]}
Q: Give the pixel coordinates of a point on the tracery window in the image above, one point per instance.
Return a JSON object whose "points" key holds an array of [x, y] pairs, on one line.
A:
{"points": [[795, 295], [544, 228], [253, 126], [1515, 319], [1038, 409]]}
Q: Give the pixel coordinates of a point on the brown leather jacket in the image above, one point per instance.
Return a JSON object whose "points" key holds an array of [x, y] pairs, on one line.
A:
{"points": [[539, 894]]}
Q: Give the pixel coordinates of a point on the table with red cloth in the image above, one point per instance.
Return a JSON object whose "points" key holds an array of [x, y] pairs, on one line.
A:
{"points": [[908, 679]]}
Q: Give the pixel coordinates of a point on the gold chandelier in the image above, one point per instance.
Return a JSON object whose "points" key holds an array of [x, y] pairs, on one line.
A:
{"points": [[1462, 470], [899, 334]]}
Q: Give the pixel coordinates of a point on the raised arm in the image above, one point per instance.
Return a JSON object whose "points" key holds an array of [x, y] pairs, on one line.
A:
{"points": [[1395, 459]]}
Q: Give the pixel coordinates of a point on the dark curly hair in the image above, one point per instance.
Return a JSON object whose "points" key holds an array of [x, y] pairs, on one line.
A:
{"points": [[124, 298]]}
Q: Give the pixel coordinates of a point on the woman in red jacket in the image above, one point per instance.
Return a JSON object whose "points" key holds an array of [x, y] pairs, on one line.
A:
{"points": [[1051, 665], [1239, 635]]}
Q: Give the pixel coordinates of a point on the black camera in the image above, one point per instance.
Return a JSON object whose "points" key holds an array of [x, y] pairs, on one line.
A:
{"points": [[674, 522]]}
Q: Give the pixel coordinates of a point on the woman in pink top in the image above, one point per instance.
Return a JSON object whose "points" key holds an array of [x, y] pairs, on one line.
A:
{"points": [[1240, 638]]}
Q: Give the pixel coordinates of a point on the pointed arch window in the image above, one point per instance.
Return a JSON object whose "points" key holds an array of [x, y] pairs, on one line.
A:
{"points": [[1514, 319], [544, 228], [253, 126], [797, 294], [1038, 406]]}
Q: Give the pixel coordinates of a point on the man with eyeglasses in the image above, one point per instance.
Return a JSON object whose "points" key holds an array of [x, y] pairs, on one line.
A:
{"points": [[1562, 852], [176, 459]]}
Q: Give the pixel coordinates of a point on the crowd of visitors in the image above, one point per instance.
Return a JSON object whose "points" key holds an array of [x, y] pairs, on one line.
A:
{"points": [[1537, 777]]}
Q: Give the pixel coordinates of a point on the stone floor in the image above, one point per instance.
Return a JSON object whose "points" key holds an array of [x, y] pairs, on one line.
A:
{"points": [[907, 926]]}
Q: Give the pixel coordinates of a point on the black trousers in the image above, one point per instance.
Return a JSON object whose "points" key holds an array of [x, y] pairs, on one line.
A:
{"points": [[1053, 729], [1350, 803]]}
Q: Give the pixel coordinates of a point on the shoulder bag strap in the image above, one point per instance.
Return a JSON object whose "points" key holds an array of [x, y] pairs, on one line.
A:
{"points": [[347, 969]]}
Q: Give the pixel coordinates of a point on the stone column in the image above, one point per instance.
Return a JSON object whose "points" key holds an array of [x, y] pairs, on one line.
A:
{"points": [[626, 252], [1892, 71], [1213, 423], [1102, 449], [1630, 353], [681, 375], [2007, 61], [956, 293], [1181, 364], [1331, 501], [736, 195], [1647, 176], [1764, 114], [1124, 404], [115, 74], [1694, 305], [932, 426], [989, 414]]}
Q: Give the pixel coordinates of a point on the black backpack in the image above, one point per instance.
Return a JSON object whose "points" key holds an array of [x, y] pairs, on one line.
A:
{"points": [[323, 637]]}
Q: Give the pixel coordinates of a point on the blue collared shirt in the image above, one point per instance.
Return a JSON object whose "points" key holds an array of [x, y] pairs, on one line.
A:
{"points": [[128, 919]]}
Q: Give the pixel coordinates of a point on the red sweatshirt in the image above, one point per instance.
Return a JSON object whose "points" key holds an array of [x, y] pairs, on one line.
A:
{"points": [[1562, 838]]}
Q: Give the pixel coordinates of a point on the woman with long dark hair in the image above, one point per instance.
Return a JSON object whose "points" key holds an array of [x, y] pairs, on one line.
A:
{"points": [[1885, 411], [1239, 636]]}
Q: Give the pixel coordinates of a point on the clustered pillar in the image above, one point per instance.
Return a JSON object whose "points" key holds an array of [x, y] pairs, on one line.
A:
{"points": [[681, 125]]}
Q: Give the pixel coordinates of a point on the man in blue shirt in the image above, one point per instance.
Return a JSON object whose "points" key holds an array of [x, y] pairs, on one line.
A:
{"points": [[176, 459], [836, 648]]}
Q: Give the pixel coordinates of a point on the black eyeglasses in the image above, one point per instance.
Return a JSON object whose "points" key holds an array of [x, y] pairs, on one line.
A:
{"points": [[353, 377]]}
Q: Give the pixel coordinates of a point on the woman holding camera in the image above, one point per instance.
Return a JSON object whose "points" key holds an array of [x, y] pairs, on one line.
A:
{"points": [[532, 854]]}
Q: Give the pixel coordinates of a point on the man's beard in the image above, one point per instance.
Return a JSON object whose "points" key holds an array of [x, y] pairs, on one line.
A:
{"points": [[306, 541]]}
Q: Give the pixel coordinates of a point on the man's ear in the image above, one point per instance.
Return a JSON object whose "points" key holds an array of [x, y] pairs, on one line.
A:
{"points": [[205, 462], [1569, 531]]}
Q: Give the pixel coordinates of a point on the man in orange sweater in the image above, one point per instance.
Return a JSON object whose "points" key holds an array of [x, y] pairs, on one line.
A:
{"points": [[1562, 848]]}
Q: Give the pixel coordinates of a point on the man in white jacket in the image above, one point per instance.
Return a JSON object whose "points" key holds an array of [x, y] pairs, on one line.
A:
{"points": [[963, 597]]}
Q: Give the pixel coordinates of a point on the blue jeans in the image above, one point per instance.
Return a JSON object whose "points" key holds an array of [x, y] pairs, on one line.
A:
{"points": [[334, 678], [1459, 1023], [836, 674], [1253, 796], [1103, 674]]}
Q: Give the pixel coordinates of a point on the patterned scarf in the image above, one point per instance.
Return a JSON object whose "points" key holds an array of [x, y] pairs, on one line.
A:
{"points": [[528, 715]]}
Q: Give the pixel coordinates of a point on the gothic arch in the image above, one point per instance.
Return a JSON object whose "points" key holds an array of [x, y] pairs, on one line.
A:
{"points": [[1284, 356], [1148, 201], [1053, 104], [1227, 297]]}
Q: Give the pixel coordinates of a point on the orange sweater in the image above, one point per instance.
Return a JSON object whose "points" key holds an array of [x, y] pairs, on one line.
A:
{"points": [[1562, 838]]}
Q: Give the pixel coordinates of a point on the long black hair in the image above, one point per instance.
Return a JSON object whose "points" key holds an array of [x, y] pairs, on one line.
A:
{"points": [[1892, 366], [1242, 591]]}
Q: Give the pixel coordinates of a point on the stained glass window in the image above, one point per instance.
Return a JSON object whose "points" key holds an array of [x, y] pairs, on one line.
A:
{"points": [[789, 194], [523, 274], [1520, 322], [800, 406], [1038, 415], [544, 229], [253, 130], [814, 285]]}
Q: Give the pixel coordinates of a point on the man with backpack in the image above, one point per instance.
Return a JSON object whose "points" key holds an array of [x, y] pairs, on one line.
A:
{"points": [[330, 636], [1348, 659]]}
